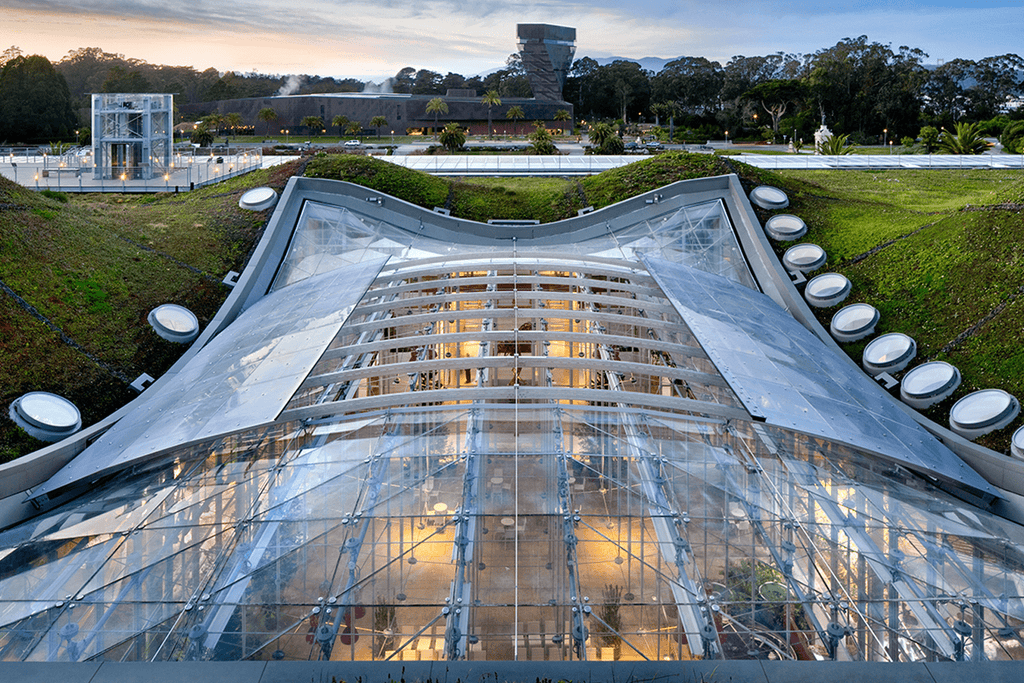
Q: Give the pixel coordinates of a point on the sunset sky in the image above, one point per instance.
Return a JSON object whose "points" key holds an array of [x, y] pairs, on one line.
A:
{"points": [[376, 38]]}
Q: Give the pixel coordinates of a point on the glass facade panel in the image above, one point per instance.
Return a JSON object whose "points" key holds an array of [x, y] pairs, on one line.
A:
{"points": [[497, 454]]}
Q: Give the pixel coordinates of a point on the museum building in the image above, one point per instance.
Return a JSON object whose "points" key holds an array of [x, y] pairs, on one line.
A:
{"points": [[408, 437], [546, 53]]}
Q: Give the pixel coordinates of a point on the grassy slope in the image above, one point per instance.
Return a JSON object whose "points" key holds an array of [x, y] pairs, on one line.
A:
{"points": [[940, 254], [94, 266], [544, 199], [935, 284]]}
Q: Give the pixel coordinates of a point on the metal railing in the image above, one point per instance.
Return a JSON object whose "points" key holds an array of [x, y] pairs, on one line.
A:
{"points": [[188, 169]]}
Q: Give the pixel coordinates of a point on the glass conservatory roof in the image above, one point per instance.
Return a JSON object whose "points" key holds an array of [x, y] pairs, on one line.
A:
{"points": [[525, 450]]}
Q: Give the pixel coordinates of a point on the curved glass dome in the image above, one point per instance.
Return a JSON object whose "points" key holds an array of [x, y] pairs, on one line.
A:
{"points": [[258, 199], [45, 416], [889, 353], [854, 322], [982, 412], [1017, 443], [804, 258], [443, 444], [174, 323], [785, 227], [768, 197], [827, 289], [927, 384]]}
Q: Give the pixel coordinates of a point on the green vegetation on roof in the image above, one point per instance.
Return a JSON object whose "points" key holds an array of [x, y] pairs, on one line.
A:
{"points": [[80, 274], [939, 253]]}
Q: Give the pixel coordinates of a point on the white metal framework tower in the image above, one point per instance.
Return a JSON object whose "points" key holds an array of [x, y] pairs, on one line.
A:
{"points": [[131, 135]]}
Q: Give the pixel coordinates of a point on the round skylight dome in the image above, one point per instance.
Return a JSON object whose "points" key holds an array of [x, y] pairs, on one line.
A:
{"points": [[889, 353], [804, 257], [827, 290], [854, 322], [258, 199], [46, 416], [174, 323], [1017, 443], [982, 412], [785, 227], [768, 197], [927, 384]]}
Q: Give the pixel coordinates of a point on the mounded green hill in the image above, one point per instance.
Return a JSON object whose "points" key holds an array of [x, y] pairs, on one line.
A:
{"points": [[80, 273], [938, 252]]}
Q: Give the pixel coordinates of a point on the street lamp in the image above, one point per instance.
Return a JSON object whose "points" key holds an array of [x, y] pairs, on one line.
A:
{"points": [[885, 136], [727, 137], [392, 138]]}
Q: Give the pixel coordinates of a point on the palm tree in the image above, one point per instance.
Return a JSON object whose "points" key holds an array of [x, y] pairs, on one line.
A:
{"points": [[215, 121], [437, 106], [233, 121], [202, 135], [515, 113], [377, 122], [1012, 138], [314, 122], [600, 133], [453, 137], [836, 145], [355, 128], [563, 115], [540, 140], [672, 110], [341, 122], [491, 99], [658, 109], [267, 114], [966, 140]]}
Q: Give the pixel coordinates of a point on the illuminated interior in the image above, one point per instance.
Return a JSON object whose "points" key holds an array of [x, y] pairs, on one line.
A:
{"points": [[514, 451]]}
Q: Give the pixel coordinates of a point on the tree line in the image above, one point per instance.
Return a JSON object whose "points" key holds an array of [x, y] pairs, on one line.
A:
{"points": [[859, 88]]}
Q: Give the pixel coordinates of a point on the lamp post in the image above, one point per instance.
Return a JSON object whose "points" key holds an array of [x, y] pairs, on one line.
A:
{"points": [[885, 136], [727, 137], [392, 138]]}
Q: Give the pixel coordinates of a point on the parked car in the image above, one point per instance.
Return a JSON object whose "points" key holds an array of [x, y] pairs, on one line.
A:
{"points": [[353, 143]]}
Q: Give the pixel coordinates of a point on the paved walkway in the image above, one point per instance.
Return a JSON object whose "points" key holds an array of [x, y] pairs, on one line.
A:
{"points": [[42, 173]]}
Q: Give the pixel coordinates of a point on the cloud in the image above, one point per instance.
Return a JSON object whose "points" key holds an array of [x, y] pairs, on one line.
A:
{"points": [[364, 37]]}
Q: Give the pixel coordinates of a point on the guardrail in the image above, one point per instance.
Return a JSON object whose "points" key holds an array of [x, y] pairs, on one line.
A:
{"points": [[187, 171], [782, 162]]}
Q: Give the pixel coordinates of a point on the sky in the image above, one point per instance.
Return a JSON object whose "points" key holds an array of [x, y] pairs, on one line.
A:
{"points": [[375, 38]]}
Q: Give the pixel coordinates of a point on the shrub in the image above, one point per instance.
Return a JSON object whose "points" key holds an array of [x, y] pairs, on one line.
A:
{"points": [[613, 145], [540, 140], [929, 138], [1012, 138], [836, 145], [452, 137], [54, 195], [966, 140]]}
